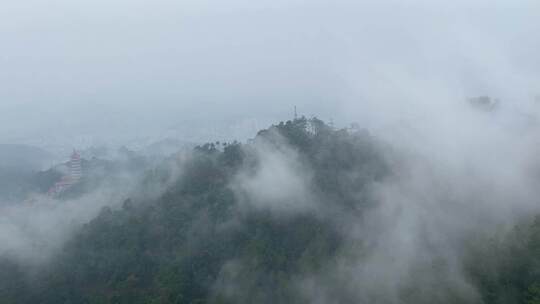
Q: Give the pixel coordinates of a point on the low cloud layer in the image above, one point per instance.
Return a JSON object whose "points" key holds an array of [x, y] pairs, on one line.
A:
{"points": [[280, 182], [457, 176], [33, 232]]}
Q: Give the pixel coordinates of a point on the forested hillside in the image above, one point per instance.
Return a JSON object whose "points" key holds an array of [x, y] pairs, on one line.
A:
{"points": [[268, 221]]}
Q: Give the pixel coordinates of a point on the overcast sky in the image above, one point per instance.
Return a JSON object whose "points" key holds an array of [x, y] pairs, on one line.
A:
{"points": [[115, 69]]}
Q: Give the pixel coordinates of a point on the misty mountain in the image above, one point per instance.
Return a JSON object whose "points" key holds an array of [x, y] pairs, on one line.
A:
{"points": [[293, 216], [179, 246], [202, 152]]}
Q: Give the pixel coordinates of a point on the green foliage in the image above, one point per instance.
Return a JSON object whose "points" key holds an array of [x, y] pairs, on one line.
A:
{"points": [[506, 269], [194, 243]]}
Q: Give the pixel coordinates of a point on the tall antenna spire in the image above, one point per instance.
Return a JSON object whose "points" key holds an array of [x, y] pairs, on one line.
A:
{"points": [[295, 114]]}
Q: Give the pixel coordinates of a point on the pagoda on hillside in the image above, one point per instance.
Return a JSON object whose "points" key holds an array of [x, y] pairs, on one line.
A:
{"points": [[72, 177]]}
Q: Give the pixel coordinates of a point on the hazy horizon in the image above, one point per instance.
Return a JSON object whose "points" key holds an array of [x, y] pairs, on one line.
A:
{"points": [[111, 72]]}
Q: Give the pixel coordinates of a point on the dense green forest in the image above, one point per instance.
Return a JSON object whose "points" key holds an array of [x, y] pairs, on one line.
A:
{"points": [[199, 239]]}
